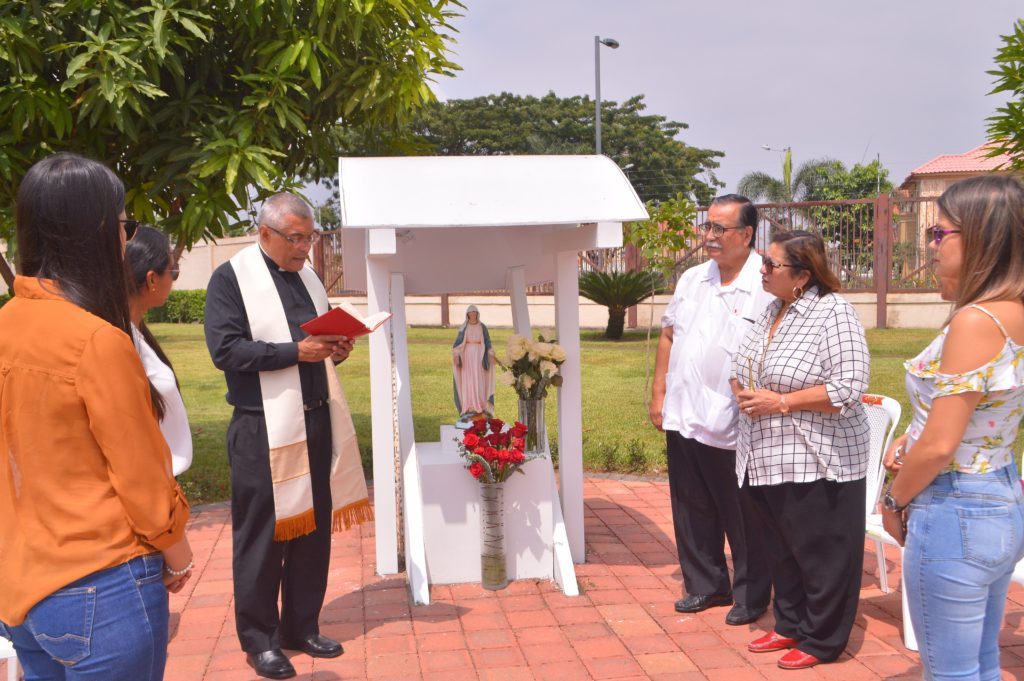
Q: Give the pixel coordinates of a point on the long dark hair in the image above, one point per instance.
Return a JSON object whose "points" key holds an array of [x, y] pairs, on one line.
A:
{"points": [[68, 229], [149, 251]]}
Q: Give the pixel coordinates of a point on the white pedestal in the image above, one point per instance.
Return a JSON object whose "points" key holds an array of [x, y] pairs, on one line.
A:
{"points": [[451, 516]]}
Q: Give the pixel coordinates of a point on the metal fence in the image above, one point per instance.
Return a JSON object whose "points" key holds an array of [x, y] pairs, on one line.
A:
{"points": [[876, 244]]}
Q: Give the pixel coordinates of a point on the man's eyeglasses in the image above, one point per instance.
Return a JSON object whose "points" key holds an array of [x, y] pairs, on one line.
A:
{"points": [[716, 229], [130, 228], [770, 265], [936, 234], [296, 239]]}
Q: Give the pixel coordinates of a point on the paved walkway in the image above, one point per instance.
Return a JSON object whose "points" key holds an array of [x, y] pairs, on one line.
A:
{"points": [[623, 625]]}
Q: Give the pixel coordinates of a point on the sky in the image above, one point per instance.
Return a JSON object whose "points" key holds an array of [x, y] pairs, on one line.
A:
{"points": [[904, 79]]}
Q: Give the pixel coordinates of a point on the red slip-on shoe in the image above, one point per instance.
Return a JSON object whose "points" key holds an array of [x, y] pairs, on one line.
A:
{"points": [[797, 659], [770, 643]]}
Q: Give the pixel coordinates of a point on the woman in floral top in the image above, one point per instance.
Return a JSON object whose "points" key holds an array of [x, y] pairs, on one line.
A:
{"points": [[956, 498]]}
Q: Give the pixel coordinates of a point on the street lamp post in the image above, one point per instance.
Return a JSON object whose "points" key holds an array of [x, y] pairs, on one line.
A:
{"points": [[598, 42], [787, 166]]}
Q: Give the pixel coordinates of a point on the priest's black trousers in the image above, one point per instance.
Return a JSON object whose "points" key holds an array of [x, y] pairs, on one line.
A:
{"points": [[263, 568]]}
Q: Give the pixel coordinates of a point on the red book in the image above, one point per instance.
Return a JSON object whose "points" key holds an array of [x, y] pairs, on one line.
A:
{"points": [[344, 320]]}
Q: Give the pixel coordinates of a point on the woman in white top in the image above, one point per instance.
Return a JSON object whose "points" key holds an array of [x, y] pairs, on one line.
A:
{"points": [[956, 499], [148, 259]]}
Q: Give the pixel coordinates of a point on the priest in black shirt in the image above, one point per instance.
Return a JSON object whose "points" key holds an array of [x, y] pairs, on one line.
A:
{"points": [[296, 563]]}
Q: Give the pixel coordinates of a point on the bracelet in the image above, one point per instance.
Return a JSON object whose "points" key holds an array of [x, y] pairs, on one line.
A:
{"points": [[178, 573], [783, 407]]}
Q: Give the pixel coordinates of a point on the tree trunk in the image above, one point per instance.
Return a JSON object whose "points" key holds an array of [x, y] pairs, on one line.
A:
{"points": [[616, 321], [6, 273]]}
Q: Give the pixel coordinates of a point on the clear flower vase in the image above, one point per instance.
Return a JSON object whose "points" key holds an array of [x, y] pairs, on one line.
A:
{"points": [[493, 575], [531, 414]]}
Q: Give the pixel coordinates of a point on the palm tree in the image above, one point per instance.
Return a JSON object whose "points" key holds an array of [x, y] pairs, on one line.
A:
{"points": [[618, 291], [758, 186]]}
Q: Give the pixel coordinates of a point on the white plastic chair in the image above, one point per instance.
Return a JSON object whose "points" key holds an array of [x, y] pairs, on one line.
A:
{"points": [[883, 416], [7, 653]]}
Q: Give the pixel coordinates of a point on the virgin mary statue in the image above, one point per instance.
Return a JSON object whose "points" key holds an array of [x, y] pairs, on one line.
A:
{"points": [[473, 367]]}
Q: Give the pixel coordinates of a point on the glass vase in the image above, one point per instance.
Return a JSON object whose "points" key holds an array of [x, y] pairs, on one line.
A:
{"points": [[493, 575], [531, 414]]}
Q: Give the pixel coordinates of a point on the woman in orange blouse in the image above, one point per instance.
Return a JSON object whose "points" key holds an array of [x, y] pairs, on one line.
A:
{"points": [[93, 531]]}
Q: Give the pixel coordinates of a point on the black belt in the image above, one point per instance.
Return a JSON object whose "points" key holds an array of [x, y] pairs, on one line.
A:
{"points": [[315, 404]]}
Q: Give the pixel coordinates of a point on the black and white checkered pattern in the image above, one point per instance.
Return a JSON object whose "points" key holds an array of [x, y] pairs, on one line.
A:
{"points": [[819, 342]]}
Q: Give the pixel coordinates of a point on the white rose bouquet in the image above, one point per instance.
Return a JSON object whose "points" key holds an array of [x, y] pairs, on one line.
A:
{"points": [[531, 366]]}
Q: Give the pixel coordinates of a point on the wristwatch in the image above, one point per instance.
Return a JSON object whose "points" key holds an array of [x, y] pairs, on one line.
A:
{"points": [[890, 503]]}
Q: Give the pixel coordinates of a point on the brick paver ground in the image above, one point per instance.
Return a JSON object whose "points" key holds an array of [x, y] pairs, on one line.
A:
{"points": [[622, 626]]}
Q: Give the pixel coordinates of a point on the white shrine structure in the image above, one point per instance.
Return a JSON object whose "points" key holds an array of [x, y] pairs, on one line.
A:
{"points": [[431, 225]]}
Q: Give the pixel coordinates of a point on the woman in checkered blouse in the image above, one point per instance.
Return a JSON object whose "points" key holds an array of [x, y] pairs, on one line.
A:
{"points": [[802, 448]]}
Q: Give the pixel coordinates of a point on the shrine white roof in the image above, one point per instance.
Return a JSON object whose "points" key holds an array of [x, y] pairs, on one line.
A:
{"points": [[454, 191]]}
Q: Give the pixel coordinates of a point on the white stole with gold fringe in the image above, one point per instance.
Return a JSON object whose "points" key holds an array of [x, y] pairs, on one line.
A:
{"points": [[285, 416]]}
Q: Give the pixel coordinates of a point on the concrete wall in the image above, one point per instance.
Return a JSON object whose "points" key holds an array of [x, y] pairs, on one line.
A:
{"points": [[197, 265], [905, 310]]}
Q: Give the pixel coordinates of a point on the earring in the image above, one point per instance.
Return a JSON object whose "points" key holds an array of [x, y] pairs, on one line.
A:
{"points": [[798, 291]]}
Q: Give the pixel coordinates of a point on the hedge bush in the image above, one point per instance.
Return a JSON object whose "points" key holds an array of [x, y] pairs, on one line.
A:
{"points": [[4, 297], [182, 307]]}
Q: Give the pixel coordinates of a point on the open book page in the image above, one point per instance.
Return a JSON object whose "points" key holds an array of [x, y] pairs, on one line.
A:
{"points": [[371, 322]]}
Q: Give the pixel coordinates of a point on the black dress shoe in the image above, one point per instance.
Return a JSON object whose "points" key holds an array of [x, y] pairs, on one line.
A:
{"points": [[741, 614], [315, 645], [271, 664], [700, 603]]}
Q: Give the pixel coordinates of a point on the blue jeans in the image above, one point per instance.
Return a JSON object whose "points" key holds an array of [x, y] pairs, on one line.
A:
{"points": [[965, 534], [108, 626]]}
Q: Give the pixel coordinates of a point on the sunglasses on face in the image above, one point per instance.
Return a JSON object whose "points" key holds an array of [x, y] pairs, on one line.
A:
{"points": [[770, 265], [936, 234], [174, 274], [130, 228]]}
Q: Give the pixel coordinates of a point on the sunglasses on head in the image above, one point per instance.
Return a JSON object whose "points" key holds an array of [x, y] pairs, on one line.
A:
{"points": [[130, 228]]}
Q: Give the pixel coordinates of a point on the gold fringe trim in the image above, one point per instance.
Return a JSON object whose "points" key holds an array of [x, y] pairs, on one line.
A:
{"points": [[294, 527], [352, 514]]}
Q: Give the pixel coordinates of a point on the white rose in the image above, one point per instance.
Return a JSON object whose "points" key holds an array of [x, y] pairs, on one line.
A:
{"points": [[516, 352], [526, 381], [548, 368], [557, 353], [543, 349], [507, 378]]}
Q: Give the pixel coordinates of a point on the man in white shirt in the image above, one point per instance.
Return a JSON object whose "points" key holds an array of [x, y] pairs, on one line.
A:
{"points": [[714, 306]]}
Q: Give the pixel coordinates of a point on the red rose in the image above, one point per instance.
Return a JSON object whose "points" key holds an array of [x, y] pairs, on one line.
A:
{"points": [[477, 469], [491, 454], [518, 443], [480, 425], [471, 440], [479, 451], [519, 430], [503, 455], [497, 425], [517, 456]]}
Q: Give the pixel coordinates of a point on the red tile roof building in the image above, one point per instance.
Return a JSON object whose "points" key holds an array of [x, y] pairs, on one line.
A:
{"points": [[932, 178]]}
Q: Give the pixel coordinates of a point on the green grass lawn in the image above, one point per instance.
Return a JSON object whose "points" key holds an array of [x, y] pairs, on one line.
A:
{"points": [[616, 434]]}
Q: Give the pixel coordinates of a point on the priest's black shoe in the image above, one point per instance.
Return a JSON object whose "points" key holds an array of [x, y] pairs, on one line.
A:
{"points": [[741, 614], [315, 645], [271, 664], [700, 603]]}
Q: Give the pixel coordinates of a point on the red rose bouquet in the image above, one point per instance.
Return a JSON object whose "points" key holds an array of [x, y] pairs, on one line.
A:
{"points": [[492, 451]]}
